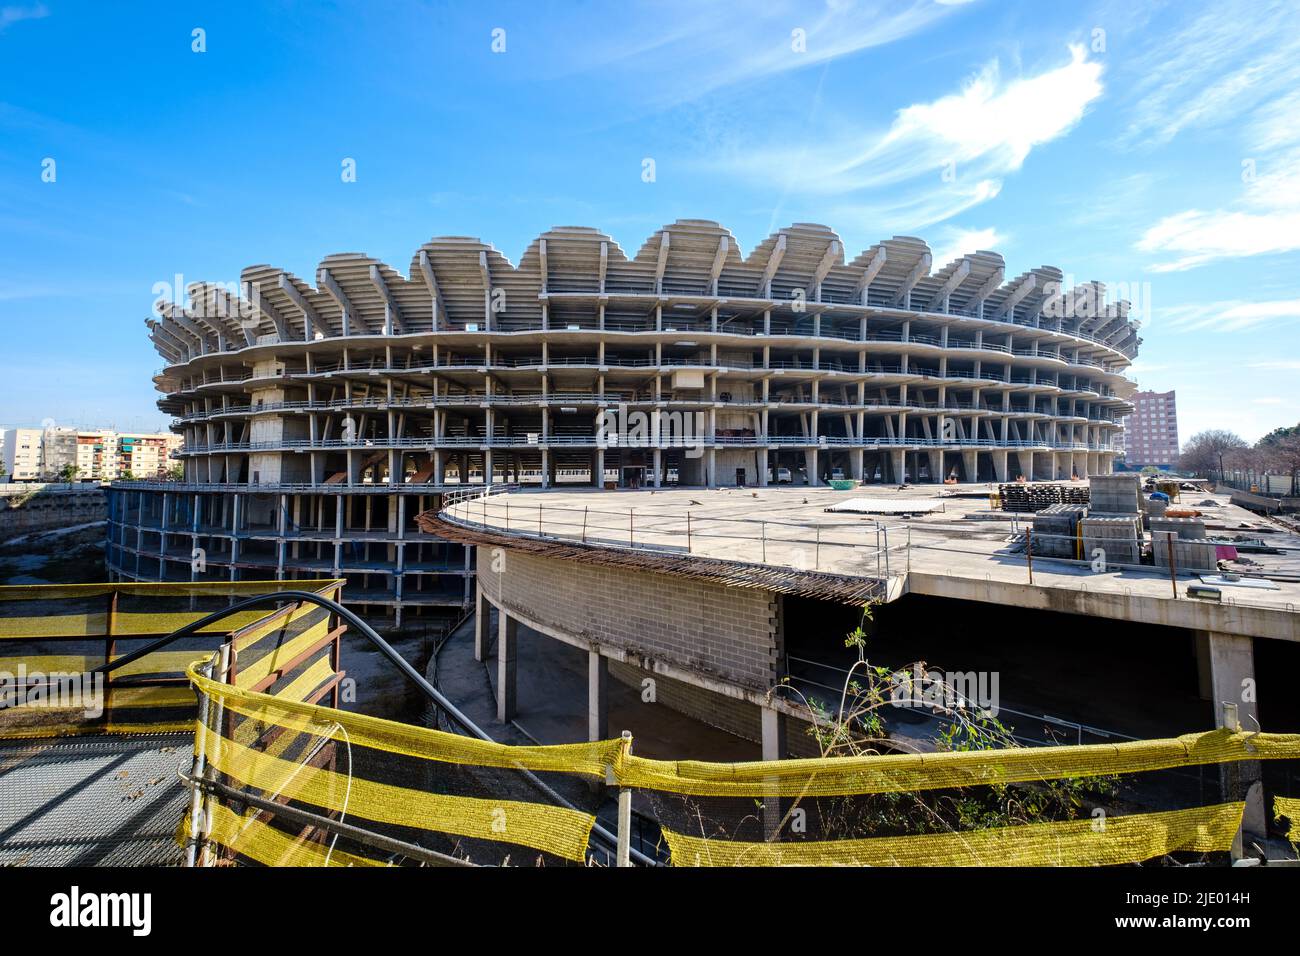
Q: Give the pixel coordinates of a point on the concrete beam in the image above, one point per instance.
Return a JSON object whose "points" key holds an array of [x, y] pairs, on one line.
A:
{"points": [[869, 274], [921, 268], [719, 257], [482, 617], [941, 297], [310, 320], [831, 256], [597, 695], [435, 292], [507, 666], [1232, 679], [773, 263], [392, 314], [326, 281], [1023, 289]]}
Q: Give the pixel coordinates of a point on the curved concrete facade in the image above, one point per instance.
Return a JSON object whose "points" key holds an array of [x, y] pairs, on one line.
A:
{"points": [[794, 356], [686, 362]]}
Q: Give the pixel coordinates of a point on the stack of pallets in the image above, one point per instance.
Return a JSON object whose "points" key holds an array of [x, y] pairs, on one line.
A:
{"points": [[1035, 496]]}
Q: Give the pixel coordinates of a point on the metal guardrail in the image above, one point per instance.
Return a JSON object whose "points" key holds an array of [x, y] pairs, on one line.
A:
{"points": [[597, 441], [436, 697], [618, 529]]}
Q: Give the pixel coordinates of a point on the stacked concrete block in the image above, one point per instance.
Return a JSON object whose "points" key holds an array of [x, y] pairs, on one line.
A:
{"points": [[1188, 554], [1055, 530], [1191, 551], [1188, 529], [1155, 507], [1119, 535], [1117, 494]]}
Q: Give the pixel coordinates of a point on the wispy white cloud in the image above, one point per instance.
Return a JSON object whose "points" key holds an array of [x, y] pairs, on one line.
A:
{"points": [[1288, 365], [677, 51], [962, 143], [918, 209], [10, 15], [955, 242], [1233, 64], [1224, 61], [1264, 221], [1230, 315]]}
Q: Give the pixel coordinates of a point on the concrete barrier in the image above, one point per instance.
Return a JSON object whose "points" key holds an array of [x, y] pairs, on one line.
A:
{"points": [[32, 508]]}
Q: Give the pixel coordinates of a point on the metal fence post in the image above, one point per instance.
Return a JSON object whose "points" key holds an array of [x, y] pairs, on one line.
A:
{"points": [[1029, 552], [624, 851], [1173, 569]]}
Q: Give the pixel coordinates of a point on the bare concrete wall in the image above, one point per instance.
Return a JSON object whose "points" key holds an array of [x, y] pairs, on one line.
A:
{"points": [[50, 507], [723, 633]]}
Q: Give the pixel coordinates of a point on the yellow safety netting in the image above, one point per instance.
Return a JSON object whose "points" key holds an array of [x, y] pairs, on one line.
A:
{"points": [[160, 589], [839, 776], [283, 656], [126, 624], [1106, 841], [1289, 807], [250, 837], [68, 629], [588, 759], [555, 830]]}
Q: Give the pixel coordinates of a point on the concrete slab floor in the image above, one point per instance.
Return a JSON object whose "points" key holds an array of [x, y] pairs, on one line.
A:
{"points": [[788, 526]]}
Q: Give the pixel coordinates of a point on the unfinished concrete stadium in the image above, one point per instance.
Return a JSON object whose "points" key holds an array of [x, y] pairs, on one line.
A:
{"points": [[319, 421]]}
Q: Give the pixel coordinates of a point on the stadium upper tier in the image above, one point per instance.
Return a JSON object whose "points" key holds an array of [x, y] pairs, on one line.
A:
{"points": [[791, 346]]}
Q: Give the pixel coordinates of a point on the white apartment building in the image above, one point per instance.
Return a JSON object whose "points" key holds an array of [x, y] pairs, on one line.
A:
{"points": [[22, 454], [45, 454]]}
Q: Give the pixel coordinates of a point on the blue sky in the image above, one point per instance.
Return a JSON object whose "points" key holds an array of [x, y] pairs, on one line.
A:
{"points": [[1150, 146]]}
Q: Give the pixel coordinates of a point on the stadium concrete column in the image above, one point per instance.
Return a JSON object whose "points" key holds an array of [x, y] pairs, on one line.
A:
{"points": [[1000, 465], [899, 458], [482, 617], [507, 666], [1232, 681], [774, 730], [597, 695], [658, 465], [855, 463]]}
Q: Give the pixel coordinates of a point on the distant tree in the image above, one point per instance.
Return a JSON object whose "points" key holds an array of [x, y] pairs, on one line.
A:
{"points": [[1205, 451], [177, 473], [69, 473], [1280, 448]]}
